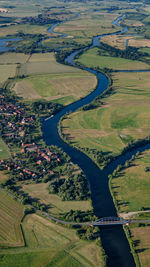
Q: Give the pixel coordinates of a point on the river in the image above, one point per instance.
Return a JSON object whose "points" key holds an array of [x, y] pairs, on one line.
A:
{"points": [[113, 239]]}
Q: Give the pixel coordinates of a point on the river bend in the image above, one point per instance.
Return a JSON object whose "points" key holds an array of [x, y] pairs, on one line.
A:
{"points": [[113, 238]]}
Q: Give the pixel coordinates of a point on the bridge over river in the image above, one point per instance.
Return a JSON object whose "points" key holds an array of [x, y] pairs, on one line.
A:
{"points": [[106, 221]]}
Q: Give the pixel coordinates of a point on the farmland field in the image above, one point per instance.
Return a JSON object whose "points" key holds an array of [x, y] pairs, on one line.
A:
{"points": [[43, 64], [110, 127], [3, 150], [92, 59], [131, 187], [10, 219], [70, 86], [141, 237], [57, 206], [51, 244], [7, 71], [13, 58]]}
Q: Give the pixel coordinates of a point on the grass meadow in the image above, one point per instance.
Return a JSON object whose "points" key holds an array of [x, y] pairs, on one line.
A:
{"points": [[43, 64], [141, 237], [49, 244], [83, 28], [110, 127], [57, 206], [62, 87], [91, 59], [10, 219], [3, 150], [131, 187], [7, 71]]}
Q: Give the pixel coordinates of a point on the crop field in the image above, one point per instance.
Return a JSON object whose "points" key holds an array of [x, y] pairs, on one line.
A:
{"points": [[11, 215], [110, 127], [43, 64], [57, 206], [131, 187], [141, 237], [7, 71], [70, 86], [51, 244], [92, 59], [3, 150], [13, 58]]}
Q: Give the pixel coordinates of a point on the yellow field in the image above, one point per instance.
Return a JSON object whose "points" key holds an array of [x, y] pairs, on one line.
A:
{"points": [[13, 58], [141, 235], [57, 206], [11, 215], [7, 71]]}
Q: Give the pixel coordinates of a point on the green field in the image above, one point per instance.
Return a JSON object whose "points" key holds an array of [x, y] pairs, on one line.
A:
{"points": [[110, 127], [3, 150], [57, 206], [131, 187], [69, 86], [10, 219], [49, 244], [43, 64], [141, 237], [92, 59]]}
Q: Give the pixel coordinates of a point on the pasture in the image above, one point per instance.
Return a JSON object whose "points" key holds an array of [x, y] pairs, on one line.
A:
{"points": [[141, 237], [51, 244], [7, 71], [57, 206], [44, 64], [131, 186], [13, 58], [3, 150], [83, 28], [62, 87], [110, 127], [10, 219], [91, 59]]}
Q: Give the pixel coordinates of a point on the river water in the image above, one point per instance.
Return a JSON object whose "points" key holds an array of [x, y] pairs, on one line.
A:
{"points": [[113, 238]]}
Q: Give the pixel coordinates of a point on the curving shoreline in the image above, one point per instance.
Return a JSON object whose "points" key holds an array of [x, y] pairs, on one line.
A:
{"points": [[113, 239]]}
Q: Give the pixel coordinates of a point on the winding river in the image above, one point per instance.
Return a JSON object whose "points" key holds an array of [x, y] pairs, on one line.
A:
{"points": [[113, 239]]}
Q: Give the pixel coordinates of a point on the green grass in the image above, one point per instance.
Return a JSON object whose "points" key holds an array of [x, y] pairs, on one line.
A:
{"points": [[57, 206], [10, 219], [3, 150], [131, 187], [123, 117], [49, 244], [67, 87], [43, 64], [92, 59]]}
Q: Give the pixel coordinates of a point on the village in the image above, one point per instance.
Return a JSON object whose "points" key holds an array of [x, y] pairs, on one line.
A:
{"points": [[28, 160]]}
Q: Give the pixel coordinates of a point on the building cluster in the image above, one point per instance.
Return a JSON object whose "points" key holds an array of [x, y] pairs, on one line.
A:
{"points": [[15, 125]]}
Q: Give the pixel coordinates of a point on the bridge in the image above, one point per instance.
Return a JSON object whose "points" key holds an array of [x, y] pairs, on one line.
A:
{"points": [[106, 221]]}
